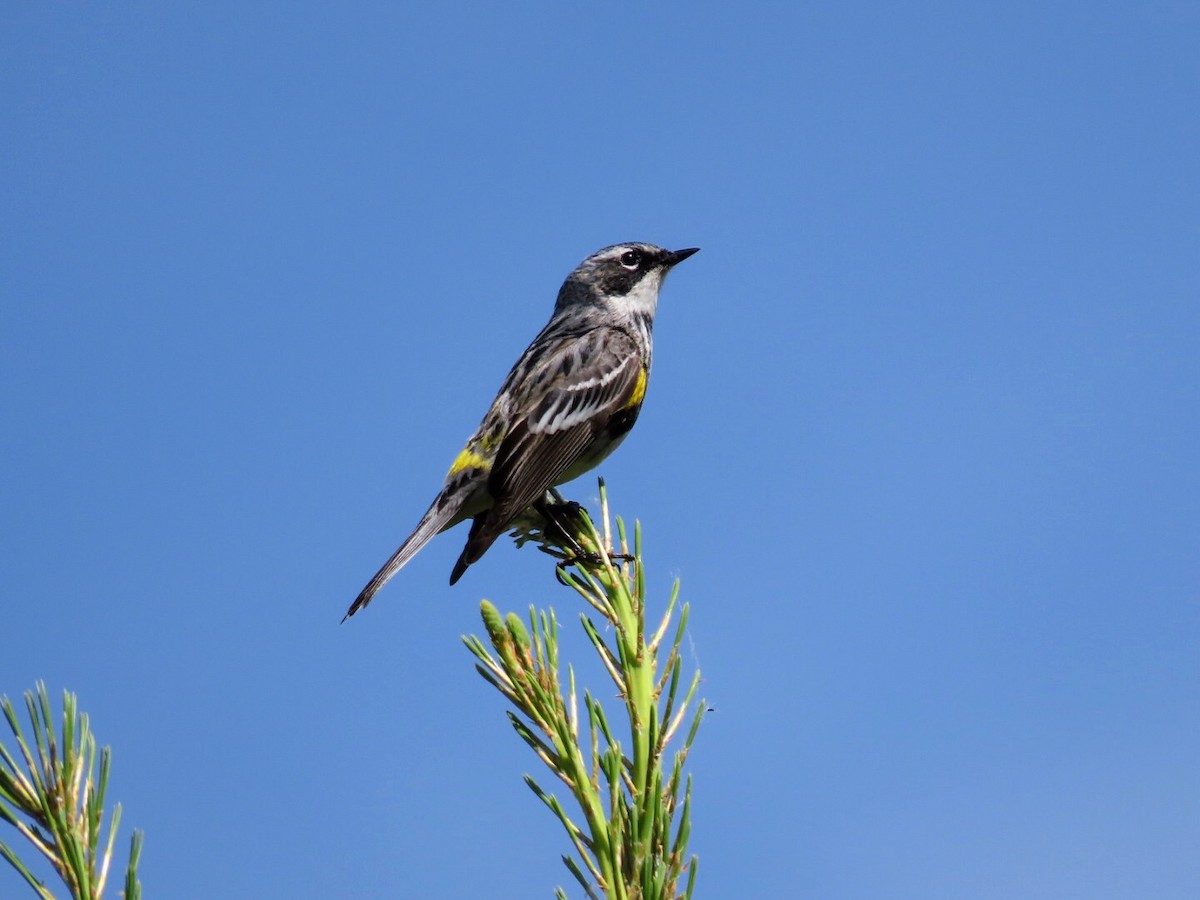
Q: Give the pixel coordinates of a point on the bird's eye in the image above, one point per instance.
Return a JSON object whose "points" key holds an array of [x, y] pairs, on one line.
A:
{"points": [[631, 259]]}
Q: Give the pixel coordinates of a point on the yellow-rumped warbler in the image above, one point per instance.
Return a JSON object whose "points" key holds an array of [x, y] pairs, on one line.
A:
{"points": [[567, 403]]}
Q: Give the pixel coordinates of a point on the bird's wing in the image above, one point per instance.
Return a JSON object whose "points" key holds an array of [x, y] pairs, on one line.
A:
{"points": [[594, 377]]}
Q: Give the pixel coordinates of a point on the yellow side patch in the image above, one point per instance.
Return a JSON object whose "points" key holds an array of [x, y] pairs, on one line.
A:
{"points": [[639, 390], [468, 459]]}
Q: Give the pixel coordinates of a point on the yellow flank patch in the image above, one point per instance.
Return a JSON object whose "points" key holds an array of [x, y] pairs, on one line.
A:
{"points": [[468, 459], [490, 439], [639, 390]]}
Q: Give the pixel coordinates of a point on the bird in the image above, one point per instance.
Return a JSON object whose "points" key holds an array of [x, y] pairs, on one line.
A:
{"points": [[568, 401]]}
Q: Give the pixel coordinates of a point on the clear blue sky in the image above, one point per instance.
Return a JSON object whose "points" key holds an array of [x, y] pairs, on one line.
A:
{"points": [[921, 439]]}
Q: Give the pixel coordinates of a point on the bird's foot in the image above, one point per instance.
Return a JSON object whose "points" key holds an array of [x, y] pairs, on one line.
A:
{"points": [[591, 560]]}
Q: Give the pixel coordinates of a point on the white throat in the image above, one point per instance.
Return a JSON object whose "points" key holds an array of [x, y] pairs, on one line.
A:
{"points": [[643, 299]]}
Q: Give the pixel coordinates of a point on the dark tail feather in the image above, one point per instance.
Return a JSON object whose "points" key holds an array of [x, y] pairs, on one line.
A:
{"points": [[483, 534], [434, 521]]}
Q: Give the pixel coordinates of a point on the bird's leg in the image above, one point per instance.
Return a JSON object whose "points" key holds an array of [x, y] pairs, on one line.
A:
{"points": [[560, 518], [588, 559]]}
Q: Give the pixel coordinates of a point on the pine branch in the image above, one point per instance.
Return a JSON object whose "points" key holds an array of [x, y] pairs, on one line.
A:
{"points": [[631, 843], [54, 797]]}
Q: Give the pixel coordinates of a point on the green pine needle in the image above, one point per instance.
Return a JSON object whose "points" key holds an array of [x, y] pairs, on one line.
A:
{"points": [[631, 843], [54, 794]]}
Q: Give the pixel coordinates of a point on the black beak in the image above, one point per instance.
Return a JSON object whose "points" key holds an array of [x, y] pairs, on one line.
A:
{"points": [[674, 257]]}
